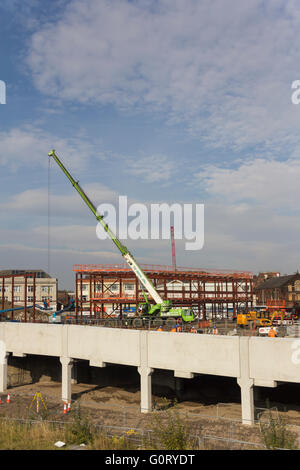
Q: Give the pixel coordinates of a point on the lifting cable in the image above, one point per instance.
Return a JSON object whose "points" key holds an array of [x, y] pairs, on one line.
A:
{"points": [[49, 222]]}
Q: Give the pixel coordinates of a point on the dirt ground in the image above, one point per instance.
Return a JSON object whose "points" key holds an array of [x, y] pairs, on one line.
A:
{"points": [[119, 409]]}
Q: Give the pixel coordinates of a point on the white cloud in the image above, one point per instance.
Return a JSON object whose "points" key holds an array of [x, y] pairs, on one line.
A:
{"points": [[21, 256], [252, 215], [223, 68], [152, 169], [258, 182], [29, 145], [35, 201]]}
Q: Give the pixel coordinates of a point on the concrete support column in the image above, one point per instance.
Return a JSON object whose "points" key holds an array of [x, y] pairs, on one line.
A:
{"points": [[66, 374], [3, 371], [146, 389], [246, 383], [145, 373], [247, 401]]}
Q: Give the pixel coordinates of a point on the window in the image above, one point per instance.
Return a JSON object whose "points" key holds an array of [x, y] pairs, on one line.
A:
{"points": [[297, 286], [29, 288], [46, 298], [84, 298], [30, 298], [46, 289], [114, 288], [17, 298], [129, 287], [98, 288], [17, 289]]}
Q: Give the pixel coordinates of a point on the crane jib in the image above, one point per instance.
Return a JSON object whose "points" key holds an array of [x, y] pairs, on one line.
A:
{"points": [[164, 306], [89, 203]]}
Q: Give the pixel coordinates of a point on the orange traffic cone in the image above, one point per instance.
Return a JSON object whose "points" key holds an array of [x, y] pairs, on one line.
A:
{"points": [[69, 406], [65, 408], [8, 398], [0, 401]]}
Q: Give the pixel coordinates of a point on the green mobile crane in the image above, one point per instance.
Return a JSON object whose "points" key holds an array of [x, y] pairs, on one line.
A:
{"points": [[162, 308]]}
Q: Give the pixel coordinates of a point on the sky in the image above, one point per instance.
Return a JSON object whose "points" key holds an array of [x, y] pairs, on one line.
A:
{"points": [[162, 101]]}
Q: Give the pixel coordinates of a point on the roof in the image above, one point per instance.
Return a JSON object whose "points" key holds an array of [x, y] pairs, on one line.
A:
{"points": [[275, 282], [40, 273]]}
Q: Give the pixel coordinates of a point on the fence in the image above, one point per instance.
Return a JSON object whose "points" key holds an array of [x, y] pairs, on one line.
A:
{"points": [[145, 439], [206, 431]]}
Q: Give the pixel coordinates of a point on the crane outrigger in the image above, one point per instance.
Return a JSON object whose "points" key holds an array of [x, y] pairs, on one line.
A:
{"points": [[161, 308]]}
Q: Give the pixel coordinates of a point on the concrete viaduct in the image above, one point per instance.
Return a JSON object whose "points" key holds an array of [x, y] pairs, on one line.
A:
{"points": [[253, 361]]}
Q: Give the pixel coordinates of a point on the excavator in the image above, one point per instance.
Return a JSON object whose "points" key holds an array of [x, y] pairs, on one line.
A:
{"points": [[162, 309]]}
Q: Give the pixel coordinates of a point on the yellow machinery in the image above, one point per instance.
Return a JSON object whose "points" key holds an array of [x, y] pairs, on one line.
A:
{"points": [[243, 319], [259, 317]]}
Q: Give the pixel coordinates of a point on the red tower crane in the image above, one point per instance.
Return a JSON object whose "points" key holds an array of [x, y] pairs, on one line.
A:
{"points": [[173, 249]]}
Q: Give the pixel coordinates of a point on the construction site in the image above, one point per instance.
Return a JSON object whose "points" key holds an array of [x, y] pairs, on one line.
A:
{"points": [[149, 272], [136, 339], [107, 291]]}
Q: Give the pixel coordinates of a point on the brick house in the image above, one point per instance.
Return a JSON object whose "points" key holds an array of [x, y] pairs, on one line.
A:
{"points": [[280, 288]]}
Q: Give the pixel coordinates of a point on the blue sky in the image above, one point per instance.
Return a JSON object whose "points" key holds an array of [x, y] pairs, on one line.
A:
{"points": [[161, 101]]}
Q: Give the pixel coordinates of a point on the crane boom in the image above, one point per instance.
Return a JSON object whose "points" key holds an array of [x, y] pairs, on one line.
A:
{"points": [[132, 263]]}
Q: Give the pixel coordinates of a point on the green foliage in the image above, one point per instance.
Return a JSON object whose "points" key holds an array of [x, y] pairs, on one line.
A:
{"points": [[80, 430], [275, 433], [171, 433], [101, 441], [42, 415]]}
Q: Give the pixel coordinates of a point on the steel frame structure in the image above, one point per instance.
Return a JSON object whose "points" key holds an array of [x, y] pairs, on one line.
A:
{"points": [[13, 277], [209, 292]]}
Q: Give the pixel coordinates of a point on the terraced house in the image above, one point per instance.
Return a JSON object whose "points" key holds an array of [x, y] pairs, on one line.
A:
{"points": [[284, 289]]}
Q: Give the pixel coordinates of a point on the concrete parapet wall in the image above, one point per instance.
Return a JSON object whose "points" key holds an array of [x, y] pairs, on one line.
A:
{"points": [[98, 344], [205, 354], [269, 358], [274, 359], [32, 338]]}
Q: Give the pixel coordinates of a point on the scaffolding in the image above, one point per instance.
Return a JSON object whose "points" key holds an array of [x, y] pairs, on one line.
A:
{"points": [[213, 294]]}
